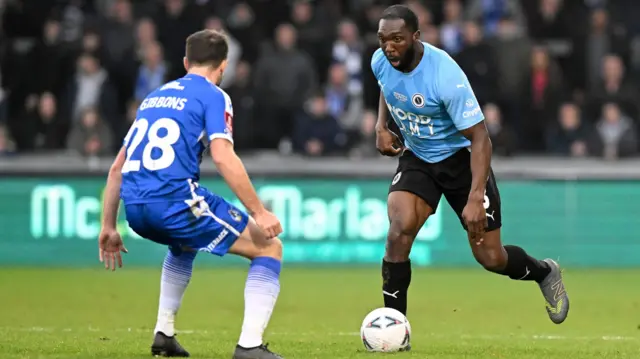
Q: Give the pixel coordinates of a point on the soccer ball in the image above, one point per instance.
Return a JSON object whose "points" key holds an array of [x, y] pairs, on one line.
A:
{"points": [[385, 330]]}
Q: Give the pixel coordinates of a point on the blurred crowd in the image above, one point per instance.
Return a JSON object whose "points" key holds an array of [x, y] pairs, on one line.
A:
{"points": [[554, 77]]}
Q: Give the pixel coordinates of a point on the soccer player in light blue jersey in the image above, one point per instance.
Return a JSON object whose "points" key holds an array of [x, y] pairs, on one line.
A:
{"points": [[446, 151], [156, 174]]}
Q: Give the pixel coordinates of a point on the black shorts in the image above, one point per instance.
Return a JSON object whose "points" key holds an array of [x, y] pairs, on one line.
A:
{"points": [[451, 178]]}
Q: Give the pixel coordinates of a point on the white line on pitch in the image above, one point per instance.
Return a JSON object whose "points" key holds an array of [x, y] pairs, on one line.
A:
{"points": [[315, 334]]}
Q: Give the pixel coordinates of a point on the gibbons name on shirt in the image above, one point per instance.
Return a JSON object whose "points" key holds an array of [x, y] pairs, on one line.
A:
{"points": [[176, 103]]}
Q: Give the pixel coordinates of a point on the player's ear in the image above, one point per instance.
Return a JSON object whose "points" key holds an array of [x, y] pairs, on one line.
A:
{"points": [[185, 63], [416, 35], [223, 66]]}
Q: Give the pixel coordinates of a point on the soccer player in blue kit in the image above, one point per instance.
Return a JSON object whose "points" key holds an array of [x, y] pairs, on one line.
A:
{"points": [[156, 174], [446, 151]]}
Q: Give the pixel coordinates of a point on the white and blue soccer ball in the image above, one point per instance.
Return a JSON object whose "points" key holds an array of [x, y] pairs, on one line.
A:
{"points": [[385, 330]]}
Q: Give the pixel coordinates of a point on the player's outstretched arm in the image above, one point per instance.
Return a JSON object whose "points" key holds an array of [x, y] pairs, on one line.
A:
{"points": [[234, 173], [481, 150], [109, 242], [112, 191], [474, 213], [465, 112]]}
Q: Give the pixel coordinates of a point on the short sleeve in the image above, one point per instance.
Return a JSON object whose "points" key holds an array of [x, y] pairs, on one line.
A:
{"points": [[219, 116], [377, 63], [457, 95]]}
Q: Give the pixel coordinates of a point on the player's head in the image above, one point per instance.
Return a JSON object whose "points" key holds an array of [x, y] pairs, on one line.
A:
{"points": [[206, 54], [398, 32]]}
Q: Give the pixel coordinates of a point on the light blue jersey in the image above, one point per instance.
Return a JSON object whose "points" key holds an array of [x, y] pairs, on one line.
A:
{"points": [[430, 104], [164, 146]]}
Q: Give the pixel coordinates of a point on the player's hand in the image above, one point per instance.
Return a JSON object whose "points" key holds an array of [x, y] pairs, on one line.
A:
{"points": [[475, 218], [268, 223], [110, 246], [387, 142]]}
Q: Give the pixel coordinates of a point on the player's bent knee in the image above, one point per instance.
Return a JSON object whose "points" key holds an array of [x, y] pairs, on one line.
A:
{"points": [[493, 260], [273, 249], [249, 249]]}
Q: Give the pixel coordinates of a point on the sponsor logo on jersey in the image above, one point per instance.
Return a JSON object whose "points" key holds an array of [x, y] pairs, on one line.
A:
{"points": [[400, 97], [401, 115], [417, 100], [235, 215], [469, 103], [471, 113]]}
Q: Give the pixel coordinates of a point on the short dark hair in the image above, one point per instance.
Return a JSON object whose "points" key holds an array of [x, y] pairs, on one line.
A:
{"points": [[402, 12], [207, 47]]}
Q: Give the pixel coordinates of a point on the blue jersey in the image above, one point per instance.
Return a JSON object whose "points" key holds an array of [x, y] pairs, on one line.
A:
{"points": [[430, 104], [163, 200], [165, 143]]}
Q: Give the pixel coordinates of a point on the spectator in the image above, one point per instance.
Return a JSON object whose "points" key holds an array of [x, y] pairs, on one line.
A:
{"points": [[543, 94], [242, 96], [451, 28], [6, 145], [74, 16], [603, 39], [489, 13], [317, 133], [502, 137], [90, 88], [431, 35], [241, 23], [91, 42], [476, 60], [313, 34], [512, 54], [284, 79], [47, 126], [130, 117], [145, 34], [617, 136], [341, 103], [176, 20], [613, 87], [90, 137], [21, 128], [52, 62], [104, 54], [347, 50], [116, 30], [571, 135], [152, 73], [366, 145], [549, 22]]}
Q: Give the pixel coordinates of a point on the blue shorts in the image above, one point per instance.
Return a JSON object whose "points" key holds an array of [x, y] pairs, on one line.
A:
{"points": [[205, 222]]}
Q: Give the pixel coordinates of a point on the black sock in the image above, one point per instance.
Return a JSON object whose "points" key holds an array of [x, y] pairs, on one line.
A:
{"points": [[396, 278], [520, 266]]}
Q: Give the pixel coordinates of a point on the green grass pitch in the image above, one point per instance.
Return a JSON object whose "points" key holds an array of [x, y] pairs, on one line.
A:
{"points": [[74, 313]]}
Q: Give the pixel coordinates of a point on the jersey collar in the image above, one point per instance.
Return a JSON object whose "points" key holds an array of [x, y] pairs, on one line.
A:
{"points": [[196, 77]]}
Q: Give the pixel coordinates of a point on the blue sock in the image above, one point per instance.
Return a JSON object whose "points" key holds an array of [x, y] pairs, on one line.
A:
{"points": [[260, 296], [176, 274]]}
